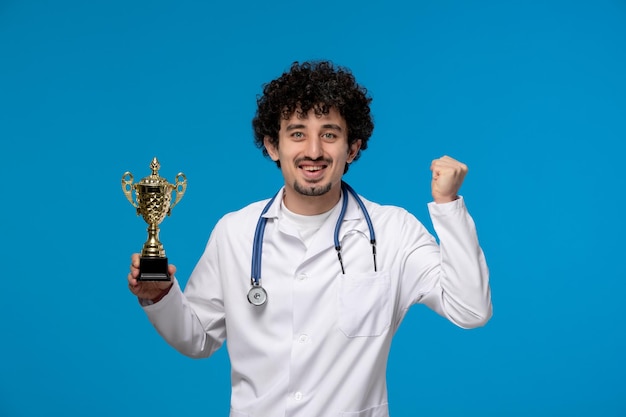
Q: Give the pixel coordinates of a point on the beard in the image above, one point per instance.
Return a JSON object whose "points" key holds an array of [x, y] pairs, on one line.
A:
{"points": [[312, 191]]}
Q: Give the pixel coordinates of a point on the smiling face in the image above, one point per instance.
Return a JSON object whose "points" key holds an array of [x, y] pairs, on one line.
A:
{"points": [[313, 152]]}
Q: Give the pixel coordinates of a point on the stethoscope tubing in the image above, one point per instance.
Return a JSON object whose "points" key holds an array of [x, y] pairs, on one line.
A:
{"points": [[257, 245], [257, 295], [346, 188]]}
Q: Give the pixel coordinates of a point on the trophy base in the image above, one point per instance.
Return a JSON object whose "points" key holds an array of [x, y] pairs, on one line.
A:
{"points": [[153, 269]]}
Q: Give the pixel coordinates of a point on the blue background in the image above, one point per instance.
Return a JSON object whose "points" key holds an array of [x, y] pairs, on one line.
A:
{"points": [[530, 94]]}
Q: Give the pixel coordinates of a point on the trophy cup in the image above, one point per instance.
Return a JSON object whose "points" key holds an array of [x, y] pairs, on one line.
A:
{"points": [[154, 202]]}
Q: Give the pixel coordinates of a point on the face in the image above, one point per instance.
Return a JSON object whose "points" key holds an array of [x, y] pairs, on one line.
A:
{"points": [[313, 152]]}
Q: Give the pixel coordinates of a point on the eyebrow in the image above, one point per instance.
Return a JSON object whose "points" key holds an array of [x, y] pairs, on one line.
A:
{"points": [[294, 127], [301, 126], [332, 126]]}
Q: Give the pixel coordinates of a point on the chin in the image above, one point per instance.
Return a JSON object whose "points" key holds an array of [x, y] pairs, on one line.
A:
{"points": [[312, 190]]}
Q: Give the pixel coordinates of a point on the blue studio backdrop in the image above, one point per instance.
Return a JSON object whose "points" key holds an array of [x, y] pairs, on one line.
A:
{"points": [[530, 94]]}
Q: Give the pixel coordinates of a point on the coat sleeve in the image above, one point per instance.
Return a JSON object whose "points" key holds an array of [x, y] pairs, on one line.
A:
{"points": [[193, 322], [452, 276]]}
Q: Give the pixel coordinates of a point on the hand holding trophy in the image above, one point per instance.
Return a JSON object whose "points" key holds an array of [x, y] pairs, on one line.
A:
{"points": [[153, 196]]}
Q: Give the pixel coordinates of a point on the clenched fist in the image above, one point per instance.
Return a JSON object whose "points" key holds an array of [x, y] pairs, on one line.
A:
{"points": [[448, 175]]}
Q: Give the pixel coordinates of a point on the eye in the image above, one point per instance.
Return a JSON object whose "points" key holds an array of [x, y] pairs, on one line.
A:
{"points": [[329, 135], [297, 135]]}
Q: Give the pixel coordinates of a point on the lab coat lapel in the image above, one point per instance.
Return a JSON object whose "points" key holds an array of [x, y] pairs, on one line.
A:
{"points": [[273, 213]]}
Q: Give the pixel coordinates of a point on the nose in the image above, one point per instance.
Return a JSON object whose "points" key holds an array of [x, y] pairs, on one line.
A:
{"points": [[314, 148]]}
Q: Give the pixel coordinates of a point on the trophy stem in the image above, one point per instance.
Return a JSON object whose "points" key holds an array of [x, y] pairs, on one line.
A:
{"points": [[153, 247]]}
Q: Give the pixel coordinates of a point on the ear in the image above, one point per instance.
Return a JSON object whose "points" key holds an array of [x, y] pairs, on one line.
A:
{"points": [[353, 150], [270, 148]]}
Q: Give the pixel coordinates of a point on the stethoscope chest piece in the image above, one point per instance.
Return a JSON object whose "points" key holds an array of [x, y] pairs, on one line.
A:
{"points": [[257, 295]]}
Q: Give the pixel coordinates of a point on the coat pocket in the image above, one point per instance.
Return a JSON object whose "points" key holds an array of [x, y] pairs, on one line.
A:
{"points": [[364, 304]]}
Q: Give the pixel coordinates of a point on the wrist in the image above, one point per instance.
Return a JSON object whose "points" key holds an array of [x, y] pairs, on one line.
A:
{"points": [[444, 200]]}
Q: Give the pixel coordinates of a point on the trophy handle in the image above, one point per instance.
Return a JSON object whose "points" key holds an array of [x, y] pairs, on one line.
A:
{"points": [[179, 187], [127, 187]]}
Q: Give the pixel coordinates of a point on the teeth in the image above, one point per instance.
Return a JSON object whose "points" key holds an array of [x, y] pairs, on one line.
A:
{"points": [[312, 168]]}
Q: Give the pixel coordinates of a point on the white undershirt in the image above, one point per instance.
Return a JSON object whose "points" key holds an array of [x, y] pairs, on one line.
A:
{"points": [[307, 226]]}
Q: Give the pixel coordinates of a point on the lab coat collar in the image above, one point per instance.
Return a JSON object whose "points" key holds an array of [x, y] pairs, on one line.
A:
{"points": [[353, 211], [324, 240]]}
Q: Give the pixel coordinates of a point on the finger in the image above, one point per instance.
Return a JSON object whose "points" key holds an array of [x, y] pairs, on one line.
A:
{"points": [[448, 165], [132, 277], [133, 285], [440, 163], [134, 270], [445, 161], [171, 269], [440, 167], [134, 260]]}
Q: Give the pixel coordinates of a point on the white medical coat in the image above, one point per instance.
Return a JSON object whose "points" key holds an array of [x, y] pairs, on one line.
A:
{"points": [[319, 346]]}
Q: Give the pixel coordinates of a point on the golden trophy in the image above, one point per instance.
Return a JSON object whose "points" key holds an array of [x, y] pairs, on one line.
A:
{"points": [[153, 196]]}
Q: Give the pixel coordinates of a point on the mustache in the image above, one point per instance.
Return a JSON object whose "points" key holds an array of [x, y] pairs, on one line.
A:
{"points": [[309, 159]]}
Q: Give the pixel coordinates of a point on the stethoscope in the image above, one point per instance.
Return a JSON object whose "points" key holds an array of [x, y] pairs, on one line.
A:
{"points": [[257, 294]]}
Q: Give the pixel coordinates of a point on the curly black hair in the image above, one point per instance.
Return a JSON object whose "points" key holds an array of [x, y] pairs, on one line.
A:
{"points": [[317, 86]]}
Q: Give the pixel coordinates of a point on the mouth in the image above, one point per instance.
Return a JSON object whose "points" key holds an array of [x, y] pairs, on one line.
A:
{"points": [[313, 171]]}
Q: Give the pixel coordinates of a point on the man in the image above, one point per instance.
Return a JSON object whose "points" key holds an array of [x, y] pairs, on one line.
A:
{"points": [[313, 336]]}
